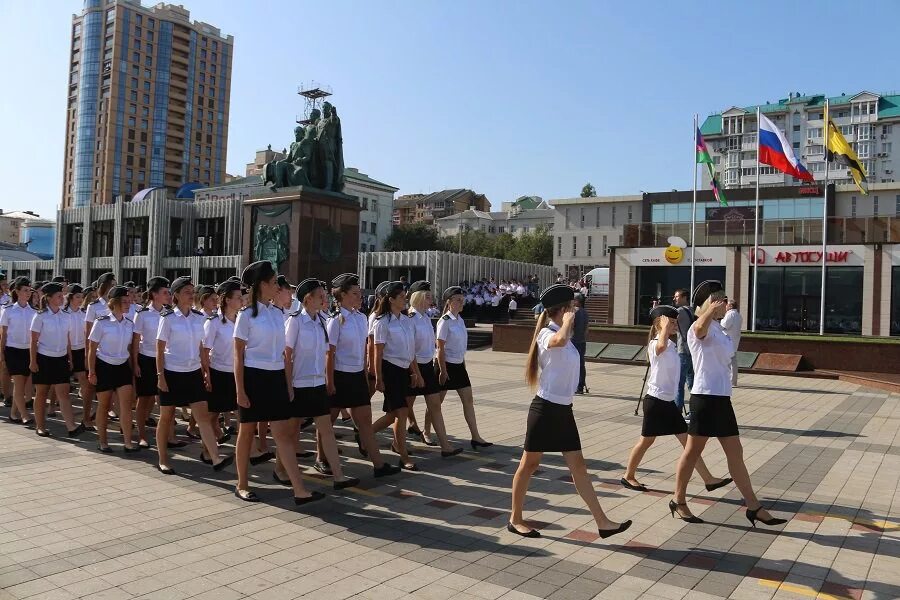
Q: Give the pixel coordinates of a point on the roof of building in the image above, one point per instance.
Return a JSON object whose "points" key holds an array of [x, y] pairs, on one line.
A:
{"points": [[888, 106], [535, 213], [10, 252], [598, 200], [20, 214], [354, 173], [527, 202]]}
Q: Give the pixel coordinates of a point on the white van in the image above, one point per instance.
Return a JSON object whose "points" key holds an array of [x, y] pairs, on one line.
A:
{"points": [[598, 281]]}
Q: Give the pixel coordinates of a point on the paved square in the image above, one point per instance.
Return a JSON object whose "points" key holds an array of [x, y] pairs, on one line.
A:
{"points": [[76, 523]]}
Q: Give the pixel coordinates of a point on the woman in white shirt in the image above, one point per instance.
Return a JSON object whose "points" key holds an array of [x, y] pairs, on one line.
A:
{"points": [[217, 354], [452, 340], [109, 369], [143, 359], [260, 376], [51, 359], [94, 307], [15, 341], [370, 337], [207, 301], [179, 377], [74, 309], [551, 422], [711, 412], [661, 416]]}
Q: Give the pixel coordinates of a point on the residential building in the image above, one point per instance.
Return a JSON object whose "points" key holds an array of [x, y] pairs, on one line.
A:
{"points": [[404, 212], [263, 157], [427, 208], [377, 202], [516, 219], [866, 119], [148, 102], [37, 235]]}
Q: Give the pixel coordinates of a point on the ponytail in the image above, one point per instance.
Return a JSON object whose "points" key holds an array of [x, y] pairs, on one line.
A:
{"points": [[254, 295], [446, 307], [43, 304], [654, 330], [531, 363]]}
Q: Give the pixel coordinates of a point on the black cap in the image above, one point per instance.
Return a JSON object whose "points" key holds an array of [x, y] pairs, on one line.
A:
{"points": [[557, 294], [705, 290], [420, 286], [345, 279], [105, 278], [282, 282], [76, 288], [51, 288], [157, 283], [234, 278], [391, 288], [205, 289], [129, 284], [119, 291], [89, 289], [58, 279], [306, 286], [20, 281], [180, 282], [227, 286], [379, 290], [664, 310], [451, 291], [261, 270]]}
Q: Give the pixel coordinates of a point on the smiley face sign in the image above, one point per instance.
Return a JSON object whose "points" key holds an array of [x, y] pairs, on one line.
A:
{"points": [[674, 253]]}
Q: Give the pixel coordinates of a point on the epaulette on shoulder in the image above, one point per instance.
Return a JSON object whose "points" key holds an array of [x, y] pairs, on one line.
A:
{"points": [[42, 311], [446, 317], [166, 312], [103, 318], [66, 310], [293, 314], [211, 317], [379, 317], [197, 312], [279, 308], [243, 308], [95, 301], [129, 320], [334, 313], [142, 309]]}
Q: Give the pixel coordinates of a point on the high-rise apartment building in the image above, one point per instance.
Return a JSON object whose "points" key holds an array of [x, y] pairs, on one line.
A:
{"points": [[148, 101], [866, 119]]}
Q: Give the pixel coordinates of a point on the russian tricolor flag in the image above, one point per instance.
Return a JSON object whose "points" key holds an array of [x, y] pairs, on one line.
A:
{"points": [[775, 151]]}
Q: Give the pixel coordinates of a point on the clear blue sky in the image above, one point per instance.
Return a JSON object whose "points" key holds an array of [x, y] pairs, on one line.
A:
{"points": [[503, 97]]}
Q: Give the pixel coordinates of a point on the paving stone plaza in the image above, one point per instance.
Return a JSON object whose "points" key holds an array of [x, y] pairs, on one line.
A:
{"points": [[826, 454]]}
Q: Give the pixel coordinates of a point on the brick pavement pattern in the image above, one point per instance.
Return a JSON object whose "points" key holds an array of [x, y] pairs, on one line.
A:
{"points": [[78, 524]]}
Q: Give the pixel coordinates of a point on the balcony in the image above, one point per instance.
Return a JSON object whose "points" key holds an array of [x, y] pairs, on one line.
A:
{"points": [[841, 230]]}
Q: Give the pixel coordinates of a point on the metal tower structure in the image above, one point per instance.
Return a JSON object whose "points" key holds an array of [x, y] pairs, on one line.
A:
{"points": [[314, 95]]}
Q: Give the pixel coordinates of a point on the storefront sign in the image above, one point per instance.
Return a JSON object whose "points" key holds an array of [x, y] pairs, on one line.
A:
{"points": [[670, 257], [810, 190], [808, 255], [730, 219]]}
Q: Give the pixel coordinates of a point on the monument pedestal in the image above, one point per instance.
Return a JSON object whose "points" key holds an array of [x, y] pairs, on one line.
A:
{"points": [[304, 232]]}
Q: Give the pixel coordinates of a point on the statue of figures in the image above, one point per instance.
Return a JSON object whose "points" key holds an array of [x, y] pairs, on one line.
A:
{"points": [[329, 150], [298, 166], [338, 152]]}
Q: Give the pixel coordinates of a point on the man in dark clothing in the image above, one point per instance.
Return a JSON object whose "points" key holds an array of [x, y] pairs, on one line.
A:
{"points": [[685, 320], [579, 339]]}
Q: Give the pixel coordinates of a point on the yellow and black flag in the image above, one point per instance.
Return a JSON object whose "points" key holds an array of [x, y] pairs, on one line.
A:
{"points": [[838, 150]]}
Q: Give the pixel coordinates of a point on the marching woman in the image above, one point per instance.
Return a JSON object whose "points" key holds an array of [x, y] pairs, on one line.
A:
{"points": [[306, 344], [75, 313], [207, 300], [661, 415], [263, 389], [146, 326], [420, 301], [551, 423], [15, 341], [711, 412], [51, 359], [95, 308], [452, 339], [396, 369], [345, 368], [370, 336], [179, 376], [109, 370]]}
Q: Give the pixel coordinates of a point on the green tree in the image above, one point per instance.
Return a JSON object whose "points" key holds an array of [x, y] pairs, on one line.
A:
{"points": [[416, 236], [533, 247], [588, 191]]}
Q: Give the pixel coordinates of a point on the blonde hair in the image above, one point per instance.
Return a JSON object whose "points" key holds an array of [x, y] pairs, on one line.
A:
{"points": [[715, 296], [417, 298], [531, 363], [655, 328]]}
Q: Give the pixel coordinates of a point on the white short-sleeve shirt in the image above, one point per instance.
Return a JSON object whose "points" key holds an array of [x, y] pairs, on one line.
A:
{"points": [[183, 334], [54, 330], [95, 309], [423, 332], [348, 340], [146, 324], [305, 336], [559, 368], [452, 329], [264, 337], [397, 337], [76, 328], [665, 370], [218, 338], [712, 361], [17, 320], [113, 338]]}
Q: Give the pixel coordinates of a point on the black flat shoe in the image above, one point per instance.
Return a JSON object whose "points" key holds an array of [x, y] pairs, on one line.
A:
{"points": [[386, 470], [476, 444], [224, 438], [431, 443], [165, 470], [715, 486], [150, 422], [246, 495], [177, 444], [531, 533], [14, 421], [233, 430], [262, 458], [753, 518], [223, 463], [279, 480], [314, 496], [638, 488], [77, 431], [346, 419], [408, 467], [691, 519], [453, 452], [192, 435], [347, 483], [204, 460], [43, 433], [306, 423], [132, 450], [104, 449], [362, 451], [605, 533], [322, 467], [89, 427]]}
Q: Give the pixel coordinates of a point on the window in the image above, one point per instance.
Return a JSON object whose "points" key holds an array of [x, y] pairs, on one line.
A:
{"points": [[102, 238], [796, 145], [582, 218], [613, 216], [813, 133], [362, 247], [733, 161], [815, 149], [589, 246], [853, 206], [887, 129], [598, 217], [875, 205], [362, 226], [176, 246], [604, 248], [372, 227], [136, 236], [864, 132], [863, 149], [559, 246], [74, 238], [629, 220], [846, 130], [574, 245], [796, 128], [371, 247], [897, 204], [209, 236], [886, 147]]}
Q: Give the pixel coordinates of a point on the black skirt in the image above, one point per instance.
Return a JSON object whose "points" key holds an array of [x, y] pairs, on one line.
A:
{"points": [[112, 377], [457, 377], [17, 361], [712, 416], [52, 370], [146, 384], [551, 428], [78, 363], [223, 397], [396, 386], [351, 390], [429, 374], [184, 388], [268, 395], [310, 402], [661, 418]]}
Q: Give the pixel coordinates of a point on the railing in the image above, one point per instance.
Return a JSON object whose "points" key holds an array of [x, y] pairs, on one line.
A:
{"points": [[841, 230]]}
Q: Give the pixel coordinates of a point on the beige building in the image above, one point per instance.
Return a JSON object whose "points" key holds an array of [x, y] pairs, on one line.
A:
{"points": [[427, 208], [148, 101], [516, 219], [259, 162]]}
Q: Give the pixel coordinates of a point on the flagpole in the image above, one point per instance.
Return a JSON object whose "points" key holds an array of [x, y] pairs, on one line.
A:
{"points": [[756, 228], [693, 215], [824, 227]]}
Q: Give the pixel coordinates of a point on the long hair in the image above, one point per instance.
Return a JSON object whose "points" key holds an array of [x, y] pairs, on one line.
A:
{"points": [[115, 304], [14, 293], [104, 289], [44, 304], [655, 328], [417, 298], [223, 301], [385, 306], [254, 299], [69, 297], [531, 363], [338, 294], [446, 307]]}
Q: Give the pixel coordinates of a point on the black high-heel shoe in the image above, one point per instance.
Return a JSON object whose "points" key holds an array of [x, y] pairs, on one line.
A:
{"points": [[476, 444], [673, 508], [753, 518], [715, 486]]}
